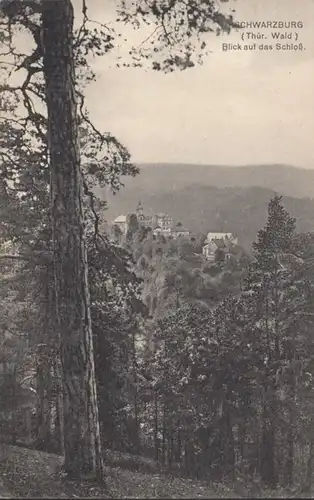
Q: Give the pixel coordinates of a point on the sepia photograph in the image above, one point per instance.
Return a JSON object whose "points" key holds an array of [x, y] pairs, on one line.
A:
{"points": [[156, 249]]}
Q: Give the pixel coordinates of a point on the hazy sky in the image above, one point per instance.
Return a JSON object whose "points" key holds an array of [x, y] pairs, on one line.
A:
{"points": [[238, 108]]}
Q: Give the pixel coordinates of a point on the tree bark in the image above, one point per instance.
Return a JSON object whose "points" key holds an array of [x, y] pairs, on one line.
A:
{"points": [[163, 439], [137, 443], [81, 425], [267, 449], [289, 466], [59, 431], [43, 379], [179, 444], [308, 483], [156, 439]]}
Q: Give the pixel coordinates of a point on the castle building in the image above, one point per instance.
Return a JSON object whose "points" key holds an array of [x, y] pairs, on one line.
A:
{"points": [[163, 221], [160, 223], [227, 237], [143, 220]]}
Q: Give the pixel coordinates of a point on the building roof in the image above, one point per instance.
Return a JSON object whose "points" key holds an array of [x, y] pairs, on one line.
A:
{"points": [[162, 215], [214, 244], [219, 242], [214, 236], [120, 218], [180, 229]]}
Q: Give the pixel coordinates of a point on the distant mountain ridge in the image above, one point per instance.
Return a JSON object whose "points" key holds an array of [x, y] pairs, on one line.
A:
{"points": [[287, 179], [211, 198]]}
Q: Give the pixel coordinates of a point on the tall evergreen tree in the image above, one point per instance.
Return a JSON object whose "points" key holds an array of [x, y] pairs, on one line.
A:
{"points": [[268, 288], [81, 425]]}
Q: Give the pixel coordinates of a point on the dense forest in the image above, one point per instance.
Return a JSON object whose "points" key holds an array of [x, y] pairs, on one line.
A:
{"points": [[133, 343], [205, 367]]}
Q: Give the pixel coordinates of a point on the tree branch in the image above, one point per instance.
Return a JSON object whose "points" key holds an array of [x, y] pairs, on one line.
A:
{"points": [[41, 257]]}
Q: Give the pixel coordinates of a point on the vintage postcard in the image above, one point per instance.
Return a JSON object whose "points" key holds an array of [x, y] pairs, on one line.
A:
{"points": [[156, 248]]}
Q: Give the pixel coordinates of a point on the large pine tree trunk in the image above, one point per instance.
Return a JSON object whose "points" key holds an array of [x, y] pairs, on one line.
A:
{"points": [[45, 349], [81, 426]]}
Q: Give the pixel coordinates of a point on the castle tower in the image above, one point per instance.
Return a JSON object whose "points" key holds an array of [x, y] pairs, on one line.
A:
{"points": [[140, 211]]}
